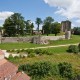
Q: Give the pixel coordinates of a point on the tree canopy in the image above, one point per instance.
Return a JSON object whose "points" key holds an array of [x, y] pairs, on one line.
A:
{"points": [[14, 25], [38, 22]]}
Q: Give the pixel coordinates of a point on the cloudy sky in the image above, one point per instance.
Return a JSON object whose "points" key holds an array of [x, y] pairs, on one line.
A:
{"points": [[60, 10]]}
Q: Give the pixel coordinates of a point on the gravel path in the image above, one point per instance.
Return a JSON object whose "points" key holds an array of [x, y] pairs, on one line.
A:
{"points": [[52, 46]]}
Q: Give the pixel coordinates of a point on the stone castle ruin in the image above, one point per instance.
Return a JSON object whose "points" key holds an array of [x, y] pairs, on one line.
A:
{"points": [[66, 27]]}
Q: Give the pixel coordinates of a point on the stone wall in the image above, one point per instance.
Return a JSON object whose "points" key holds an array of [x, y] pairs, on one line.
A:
{"points": [[30, 38], [16, 39]]}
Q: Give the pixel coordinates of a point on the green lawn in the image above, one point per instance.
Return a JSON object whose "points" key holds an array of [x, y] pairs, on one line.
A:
{"points": [[57, 50], [59, 55], [56, 58], [74, 39], [7, 46]]}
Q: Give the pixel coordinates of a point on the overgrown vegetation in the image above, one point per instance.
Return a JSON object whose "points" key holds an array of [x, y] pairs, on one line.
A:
{"points": [[76, 30], [40, 70], [74, 48]]}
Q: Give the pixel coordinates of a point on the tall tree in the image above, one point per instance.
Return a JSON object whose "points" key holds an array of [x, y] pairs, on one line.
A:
{"points": [[47, 25], [29, 26], [55, 28], [32, 26], [38, 22], [48, 20], [76, 30], [14, 25]]}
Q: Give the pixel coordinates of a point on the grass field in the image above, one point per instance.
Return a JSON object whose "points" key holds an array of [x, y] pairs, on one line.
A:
{"points": [[59, 55], [56, 58], [74, 39], [7, 46]]}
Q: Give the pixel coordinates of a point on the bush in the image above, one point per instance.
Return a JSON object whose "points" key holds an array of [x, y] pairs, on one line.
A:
{"points": [[29, 51], [79, 47], [25, 67], [18, 51], [65, 70], [38, 51], [40, 69], [10, 56], [73, 49], [44, 52], [22, 68], [31, 55], [37, 70]]}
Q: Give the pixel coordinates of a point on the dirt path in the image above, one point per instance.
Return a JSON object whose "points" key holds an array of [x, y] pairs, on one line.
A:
{"points": [[52, 46]]}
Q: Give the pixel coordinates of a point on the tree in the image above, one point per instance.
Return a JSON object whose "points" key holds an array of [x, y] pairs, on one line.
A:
{"points": [[48, 20], [14, 25], [76, 30], [32, 26], [29, 26], [55, 28], [47, 25], [46, 28], [38, 22]]}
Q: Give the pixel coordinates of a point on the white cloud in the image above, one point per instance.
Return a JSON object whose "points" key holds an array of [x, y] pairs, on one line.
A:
{"points": [[67, 8], [78, 21], [5, 14]]}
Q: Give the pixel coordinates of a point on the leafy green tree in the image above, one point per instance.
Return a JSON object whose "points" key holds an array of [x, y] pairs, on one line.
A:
{"points": [[47, 25], [46, 28], [14, 25], [48, 20], [32, 26], [76, 30], [38, 22], [29, 27], [55, 28]]}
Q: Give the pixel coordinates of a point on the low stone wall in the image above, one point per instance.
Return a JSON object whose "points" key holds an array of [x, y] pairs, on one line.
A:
{"points": [[29, 39], [16, 39], [53, 37]]}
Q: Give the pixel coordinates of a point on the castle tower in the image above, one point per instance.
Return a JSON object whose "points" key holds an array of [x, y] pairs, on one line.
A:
{"points": [[65, 26]]}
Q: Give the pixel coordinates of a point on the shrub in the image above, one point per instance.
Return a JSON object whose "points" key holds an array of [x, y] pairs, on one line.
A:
{"points": [[40, 69], [29, 51], [10, 57], [79, 47], [8, 50], [24, 67], [65, 70], [31, 55], [37, 70], [44, 52], [22, 50], [73, 49], [18, 51], [38, 51]]}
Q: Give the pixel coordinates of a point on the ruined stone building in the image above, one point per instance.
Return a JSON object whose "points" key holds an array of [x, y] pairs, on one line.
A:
{"points": [[65, 26]]}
